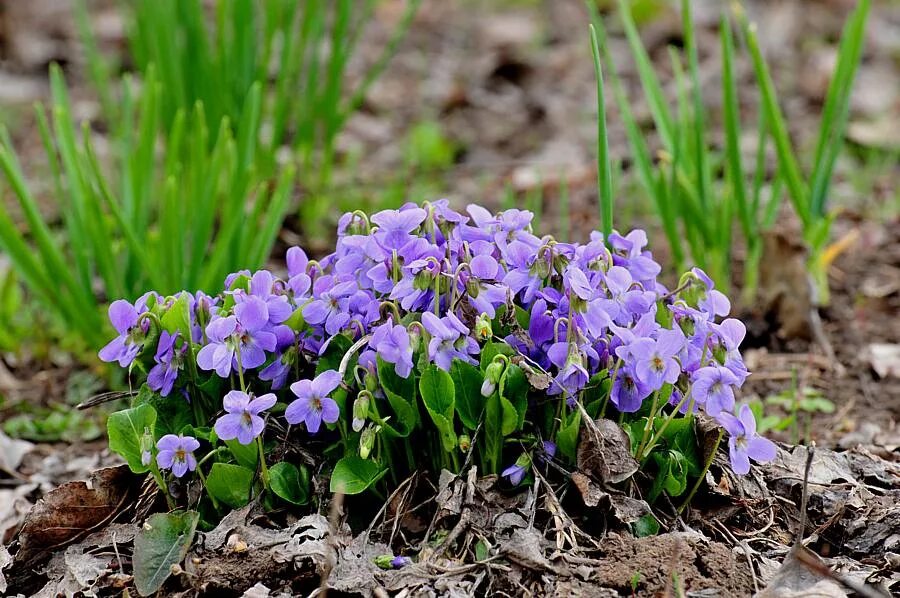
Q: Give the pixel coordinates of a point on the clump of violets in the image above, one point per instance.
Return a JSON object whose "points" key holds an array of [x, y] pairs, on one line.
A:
{"points": [[428, 336]]}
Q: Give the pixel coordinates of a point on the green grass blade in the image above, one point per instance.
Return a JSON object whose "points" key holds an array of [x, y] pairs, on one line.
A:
{"points": [[604, 169], [732, 125], [837, 106], [786, 156], [649, 81]]}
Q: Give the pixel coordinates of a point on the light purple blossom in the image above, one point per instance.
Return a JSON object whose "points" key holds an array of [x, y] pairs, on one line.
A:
{"points": [[743, 442], [313, 404], [713, 387], [449, 340], [130, 342], [177, 453], [242, 418], [391, 343]]}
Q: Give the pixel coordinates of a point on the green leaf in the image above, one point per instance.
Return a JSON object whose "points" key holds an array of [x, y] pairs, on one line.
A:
{"points": [[289, 482], [509, 418], [491, 350], [230, 484], [125, 429], [162, 542], [400, 393], [467, 381], [439, 397], [353, 475], [646, 526], [247, 455], [178, 318], [514, 388], [331, 359], [567, 437]]}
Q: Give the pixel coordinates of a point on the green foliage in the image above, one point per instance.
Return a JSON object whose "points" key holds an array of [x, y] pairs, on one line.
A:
{"points": [[162, 543], [697, 211], [353, 475], [230, 484], [126, 429]]}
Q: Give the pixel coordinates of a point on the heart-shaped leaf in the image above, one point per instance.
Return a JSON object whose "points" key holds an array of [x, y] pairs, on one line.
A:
{"points": [[162, 542], [354, 474]]}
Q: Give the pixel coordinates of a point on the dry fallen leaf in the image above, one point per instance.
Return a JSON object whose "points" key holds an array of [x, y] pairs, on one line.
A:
{"points": [[72, 511], [604, 452]]}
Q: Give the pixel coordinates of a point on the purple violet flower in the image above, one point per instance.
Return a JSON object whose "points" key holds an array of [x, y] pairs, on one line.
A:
{"points": [[449, 340], [743, 442], [242, 420], [169, 361], [713, 387], [628, 392], [391, 343], [247, 331], [124, 317], [655, 362], [177, 453], [313, 405]]}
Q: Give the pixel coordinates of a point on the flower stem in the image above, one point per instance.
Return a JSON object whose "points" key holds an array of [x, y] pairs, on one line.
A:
{"points": [[706, 466], [649, 427], [212, 498], [263, 469], [240, 367]]}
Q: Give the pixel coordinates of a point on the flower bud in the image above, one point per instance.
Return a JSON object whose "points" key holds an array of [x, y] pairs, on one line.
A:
{"points": [[360, 410], [483, 330], [367, 441], [540, 268], [492, 376], [146, 448], [383, 561], [472, 287], [464, 443], [371, 383]]}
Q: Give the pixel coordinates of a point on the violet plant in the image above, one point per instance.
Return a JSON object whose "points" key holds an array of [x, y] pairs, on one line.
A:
{"points": [[429, 339]]}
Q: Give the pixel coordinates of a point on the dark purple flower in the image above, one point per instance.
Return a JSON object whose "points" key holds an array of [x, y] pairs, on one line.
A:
{"points": [[449, 340], [177, 453], [391, 343], [398, 562], [313, 405], [743, 442], [628, 392], [713, 387], [124, 318], [169, 361], [242, 420], [286, 356]]}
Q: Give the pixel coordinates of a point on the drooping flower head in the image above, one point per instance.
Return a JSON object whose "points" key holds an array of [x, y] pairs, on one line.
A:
{"points": [[743, 442]]}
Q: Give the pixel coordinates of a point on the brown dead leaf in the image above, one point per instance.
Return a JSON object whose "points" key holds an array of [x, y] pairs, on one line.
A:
{"points": [[73, 511], [604, 452], [797, 580]]}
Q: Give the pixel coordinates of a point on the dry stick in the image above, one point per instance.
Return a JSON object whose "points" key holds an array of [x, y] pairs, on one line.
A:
{"points": [[818, 330], [336, 503]]}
